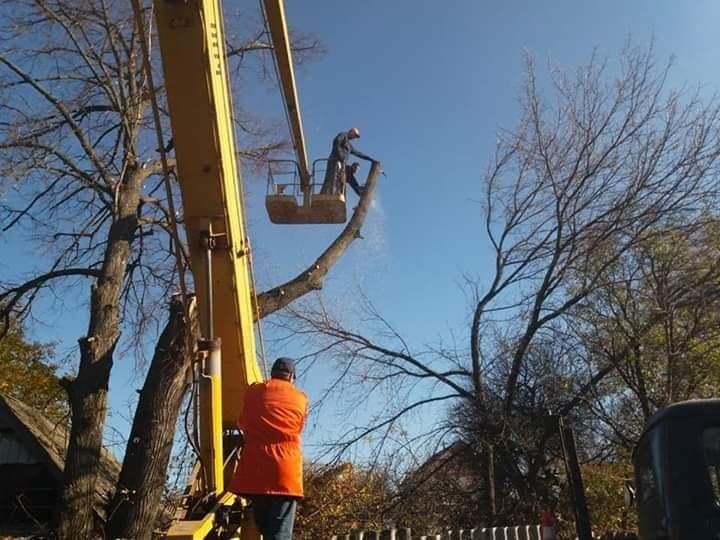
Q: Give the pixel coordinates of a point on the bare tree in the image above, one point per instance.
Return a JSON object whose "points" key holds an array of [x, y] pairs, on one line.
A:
{"points": [[594, 174], [82, 181], [597, 173]]}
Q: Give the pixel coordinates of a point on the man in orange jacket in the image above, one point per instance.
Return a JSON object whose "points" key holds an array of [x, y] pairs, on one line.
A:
{"points": [[269, 472]]}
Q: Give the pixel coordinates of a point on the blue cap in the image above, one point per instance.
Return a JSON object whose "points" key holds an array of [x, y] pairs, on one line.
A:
{"points": [[283, 367]]}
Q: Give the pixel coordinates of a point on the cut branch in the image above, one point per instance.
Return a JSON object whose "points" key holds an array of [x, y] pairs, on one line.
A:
{"points": [[311, 279]]}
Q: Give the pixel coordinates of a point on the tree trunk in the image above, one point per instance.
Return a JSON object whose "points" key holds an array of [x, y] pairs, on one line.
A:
{"points": [[88, 391], [489, 481], [138, 497]]}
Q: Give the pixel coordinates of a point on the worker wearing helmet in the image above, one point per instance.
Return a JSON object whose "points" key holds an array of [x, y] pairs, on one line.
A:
{"points": [[341, 150], [269, 471]]}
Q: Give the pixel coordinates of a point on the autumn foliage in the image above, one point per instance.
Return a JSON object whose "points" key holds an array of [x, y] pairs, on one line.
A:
{"points": [[340, 499], [28, 374]]}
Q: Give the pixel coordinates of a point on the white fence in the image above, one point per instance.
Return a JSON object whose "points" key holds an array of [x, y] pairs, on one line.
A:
{"points": [[520, 532]]}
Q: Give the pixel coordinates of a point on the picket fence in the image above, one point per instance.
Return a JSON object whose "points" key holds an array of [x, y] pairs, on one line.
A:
{"points": [[520, 532]]}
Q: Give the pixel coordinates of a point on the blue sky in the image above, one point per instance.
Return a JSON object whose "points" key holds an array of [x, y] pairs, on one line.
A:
{"points": [[429, 86], [429, 83]]}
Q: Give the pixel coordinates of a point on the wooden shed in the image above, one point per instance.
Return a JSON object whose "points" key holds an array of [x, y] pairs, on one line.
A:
{"points": [[32, 457]]}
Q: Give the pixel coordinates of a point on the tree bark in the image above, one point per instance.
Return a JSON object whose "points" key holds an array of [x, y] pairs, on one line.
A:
{"points": [[88, 391], [135, 507]]}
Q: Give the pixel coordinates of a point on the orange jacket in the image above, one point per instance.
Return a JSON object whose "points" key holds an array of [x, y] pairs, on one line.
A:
{"points": [[273, 417]]}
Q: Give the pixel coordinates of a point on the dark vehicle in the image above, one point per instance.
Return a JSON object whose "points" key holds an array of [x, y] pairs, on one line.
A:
{"points": [[677, 473]]}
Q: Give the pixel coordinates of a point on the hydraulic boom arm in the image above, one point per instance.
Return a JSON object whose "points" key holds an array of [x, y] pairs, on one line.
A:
{"points": [[192, 46], [275, 16], [193, 53]]}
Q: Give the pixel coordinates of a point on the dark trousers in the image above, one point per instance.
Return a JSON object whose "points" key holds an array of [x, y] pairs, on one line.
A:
{"points": [[274, 516], [353, 183], [333, 177]]}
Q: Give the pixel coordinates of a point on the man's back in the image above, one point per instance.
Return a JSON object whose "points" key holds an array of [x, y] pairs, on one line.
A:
{"points": [[271, 462], [340, 147], [274, 411]]}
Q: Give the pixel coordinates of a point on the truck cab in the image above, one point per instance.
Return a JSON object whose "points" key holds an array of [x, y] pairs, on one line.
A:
{"points": [[677, 473]]}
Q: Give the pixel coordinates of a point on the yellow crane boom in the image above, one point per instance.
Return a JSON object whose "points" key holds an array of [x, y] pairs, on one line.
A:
{"points": [[195, 69], [192, 46], [283, 207], [275, 17], [193, 55]]}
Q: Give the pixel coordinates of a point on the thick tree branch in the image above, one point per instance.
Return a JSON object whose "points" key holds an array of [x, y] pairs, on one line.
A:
{"points": [[11, 297], [311, 279]]}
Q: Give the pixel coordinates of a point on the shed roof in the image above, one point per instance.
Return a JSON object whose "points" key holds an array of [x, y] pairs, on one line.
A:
{"points": [[49, 441]]}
